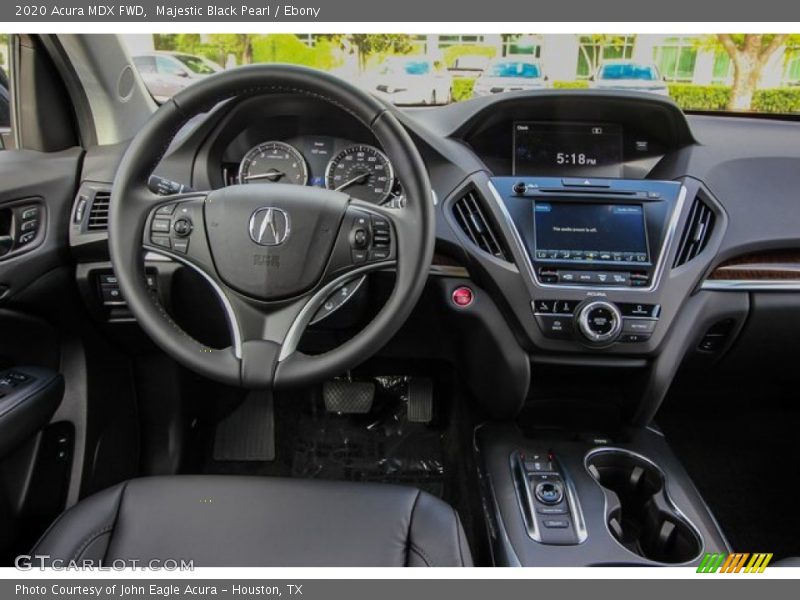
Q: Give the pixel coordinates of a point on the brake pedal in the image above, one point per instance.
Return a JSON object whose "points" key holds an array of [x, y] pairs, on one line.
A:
{"points": [[248, 433], [420, 400], [348, 397]]}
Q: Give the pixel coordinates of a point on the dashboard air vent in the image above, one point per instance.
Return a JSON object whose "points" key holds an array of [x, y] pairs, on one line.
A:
{"points": [[470, 216], [696, 233], [98, 214]]}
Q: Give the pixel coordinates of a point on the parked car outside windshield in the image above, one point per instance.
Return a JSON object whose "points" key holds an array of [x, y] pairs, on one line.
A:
{"points": [[624, 75], [165, 74], [411, 81], [509, 76]]}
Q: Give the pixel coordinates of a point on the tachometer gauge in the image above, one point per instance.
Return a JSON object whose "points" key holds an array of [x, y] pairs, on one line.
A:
{"points": [[273, 162], [362, 171]]}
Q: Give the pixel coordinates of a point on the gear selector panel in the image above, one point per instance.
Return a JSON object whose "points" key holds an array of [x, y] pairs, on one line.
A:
{"points": [[551, 511]]}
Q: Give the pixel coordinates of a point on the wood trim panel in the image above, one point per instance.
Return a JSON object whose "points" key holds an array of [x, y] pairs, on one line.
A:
{"points": [[772, 265]]}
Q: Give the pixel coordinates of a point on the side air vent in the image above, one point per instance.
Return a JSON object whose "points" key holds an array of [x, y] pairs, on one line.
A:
{"points": [[471, 217], [98, 213], [696, 233]]}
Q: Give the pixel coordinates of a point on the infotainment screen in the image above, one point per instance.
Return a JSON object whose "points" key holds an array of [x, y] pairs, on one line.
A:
{"points": [[572, 231], [586, 149]]}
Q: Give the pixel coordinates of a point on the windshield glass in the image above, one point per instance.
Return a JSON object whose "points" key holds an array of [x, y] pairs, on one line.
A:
{"points": [[757, 73], [196, 64], [515, 69], [411, 67], [628, 71]]}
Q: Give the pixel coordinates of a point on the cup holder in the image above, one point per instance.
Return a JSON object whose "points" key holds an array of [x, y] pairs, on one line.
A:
{"points": [[639, 511]]}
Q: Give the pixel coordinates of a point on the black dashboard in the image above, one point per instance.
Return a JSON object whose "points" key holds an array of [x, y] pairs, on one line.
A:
{"points": [[591, 225]]}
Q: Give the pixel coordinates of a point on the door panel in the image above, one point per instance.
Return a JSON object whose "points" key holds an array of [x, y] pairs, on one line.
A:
{"points": [[36, 194], [34, 180]]}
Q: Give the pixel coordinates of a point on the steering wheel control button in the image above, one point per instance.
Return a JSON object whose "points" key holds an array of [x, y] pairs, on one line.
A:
{"points": [[370, 238], [463, 297], [161, 240], [165, 210], [182, 227], [181, 245], [160, 226], [360, 238], [599, 321], [549, 492]]}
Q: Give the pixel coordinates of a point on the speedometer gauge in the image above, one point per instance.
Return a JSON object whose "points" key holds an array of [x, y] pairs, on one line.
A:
{"points": [[362, 171], [273, 162]]}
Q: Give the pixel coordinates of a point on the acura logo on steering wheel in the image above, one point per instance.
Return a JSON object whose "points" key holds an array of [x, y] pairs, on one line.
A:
{"points": [[269, 226]]}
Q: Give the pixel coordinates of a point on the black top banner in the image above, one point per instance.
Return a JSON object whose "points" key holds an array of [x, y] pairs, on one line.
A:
{"points": [[363, 11]]}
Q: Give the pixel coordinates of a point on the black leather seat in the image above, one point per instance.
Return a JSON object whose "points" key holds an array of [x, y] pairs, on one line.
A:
{"points": [[250, 521]]}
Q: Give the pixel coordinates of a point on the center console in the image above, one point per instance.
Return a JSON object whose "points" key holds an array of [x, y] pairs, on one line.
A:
{"points": [[590, 501]]}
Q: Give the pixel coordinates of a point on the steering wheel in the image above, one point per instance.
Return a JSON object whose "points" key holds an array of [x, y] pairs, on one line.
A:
{"points": [[272, 252]]}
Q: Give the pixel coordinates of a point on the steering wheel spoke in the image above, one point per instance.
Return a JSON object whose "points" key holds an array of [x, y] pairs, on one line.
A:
{"points": [[261, 334]]}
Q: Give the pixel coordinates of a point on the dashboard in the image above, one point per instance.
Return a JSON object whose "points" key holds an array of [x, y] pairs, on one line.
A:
{"points": [[606, 229]]}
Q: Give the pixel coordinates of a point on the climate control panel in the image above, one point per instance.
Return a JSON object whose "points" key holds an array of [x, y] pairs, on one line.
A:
{"points": [[596, 321]]}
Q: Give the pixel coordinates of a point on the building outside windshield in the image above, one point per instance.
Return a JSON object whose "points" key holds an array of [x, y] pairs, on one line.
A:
{"points": [[715, 72]]}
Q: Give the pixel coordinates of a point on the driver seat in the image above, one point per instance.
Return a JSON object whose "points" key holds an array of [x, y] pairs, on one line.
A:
{"points": [[238, 521]]}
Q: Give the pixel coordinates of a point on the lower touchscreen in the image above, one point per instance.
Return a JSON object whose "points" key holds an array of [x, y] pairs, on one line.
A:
{"points": [[572, 231]]}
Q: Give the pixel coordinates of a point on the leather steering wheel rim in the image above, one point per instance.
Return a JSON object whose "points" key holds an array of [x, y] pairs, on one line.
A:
{"points": [[258, 363]]}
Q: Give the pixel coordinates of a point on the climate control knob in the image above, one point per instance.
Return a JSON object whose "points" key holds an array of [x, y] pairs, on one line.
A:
{"points": [[599, 321]]}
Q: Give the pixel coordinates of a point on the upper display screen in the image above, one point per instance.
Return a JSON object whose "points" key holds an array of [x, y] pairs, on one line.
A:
{"points": [[567, 149]]}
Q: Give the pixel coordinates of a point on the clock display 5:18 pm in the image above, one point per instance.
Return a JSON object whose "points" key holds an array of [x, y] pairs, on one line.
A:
{"points": [[575, 158], [557, 149]]}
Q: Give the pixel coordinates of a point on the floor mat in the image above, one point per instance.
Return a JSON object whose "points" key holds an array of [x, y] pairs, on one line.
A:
{"points": [[382, 446], [742, 450]]}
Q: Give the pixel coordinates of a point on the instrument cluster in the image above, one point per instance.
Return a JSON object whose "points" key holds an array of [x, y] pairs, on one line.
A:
{"points": [[360, 170]]}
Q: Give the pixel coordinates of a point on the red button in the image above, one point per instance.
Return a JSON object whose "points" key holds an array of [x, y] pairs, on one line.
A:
{"points": [[463, 296]]}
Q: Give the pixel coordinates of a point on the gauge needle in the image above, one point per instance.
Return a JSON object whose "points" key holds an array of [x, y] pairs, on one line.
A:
{"points": [[356, 179], [273, 175]]}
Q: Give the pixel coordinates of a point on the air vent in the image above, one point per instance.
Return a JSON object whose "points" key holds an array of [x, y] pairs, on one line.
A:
{"points": [[696, 233], [471, 217], [98, 214]]}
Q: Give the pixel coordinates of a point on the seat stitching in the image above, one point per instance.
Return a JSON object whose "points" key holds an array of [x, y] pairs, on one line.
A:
{"points": [[409, 543], [421, 553], [425, 557], [458, 535], [116, 516], [87, 541]]}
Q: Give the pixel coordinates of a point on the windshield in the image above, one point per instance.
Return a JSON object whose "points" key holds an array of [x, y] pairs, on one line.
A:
{"points": [[196, 64], [412, 67], [515, 69], [758, 73], [628, 71]]}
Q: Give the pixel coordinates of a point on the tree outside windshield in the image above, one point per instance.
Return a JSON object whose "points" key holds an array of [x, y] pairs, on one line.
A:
{"points": [[714, 72]]}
